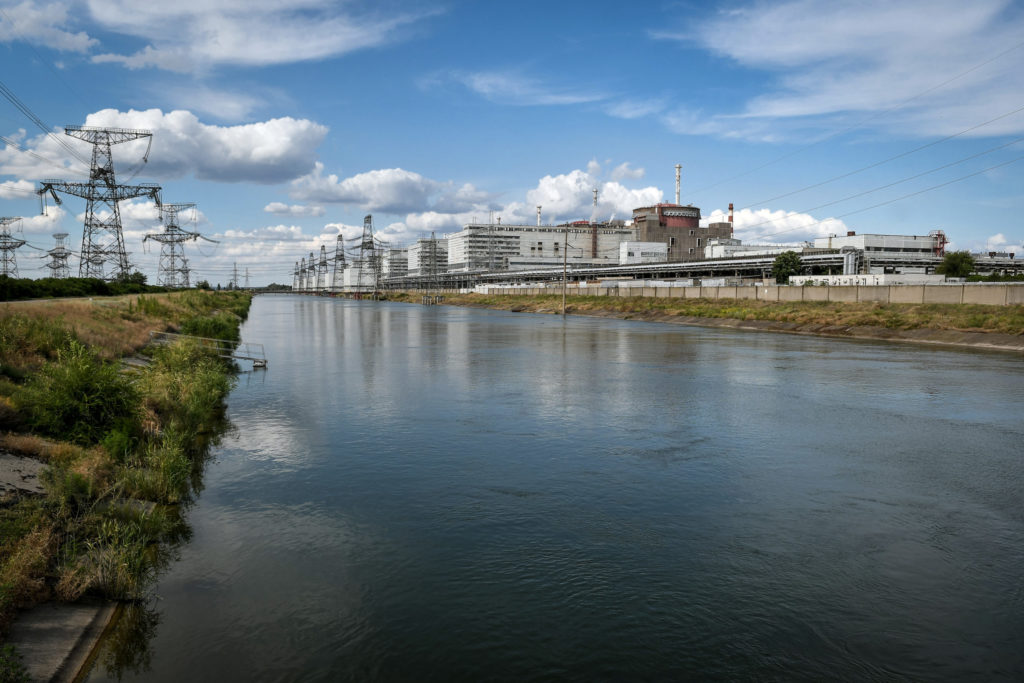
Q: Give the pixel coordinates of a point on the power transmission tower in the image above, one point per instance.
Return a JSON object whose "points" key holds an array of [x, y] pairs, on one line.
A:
{"points": [[58, 265], [302, 275], [370, 260], [339, 263], [186, 273], [234, 277], [173, 264], [8, 244], [247, 277], [295, 278], [321, 270], [311, 273], [102, 238]]}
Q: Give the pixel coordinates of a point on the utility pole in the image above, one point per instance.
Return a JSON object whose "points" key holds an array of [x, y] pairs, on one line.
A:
{"points": [[8, 244], [102, 238]]}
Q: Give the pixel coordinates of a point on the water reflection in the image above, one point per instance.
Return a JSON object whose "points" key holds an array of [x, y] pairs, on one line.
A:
{"points": [[435, 493]]}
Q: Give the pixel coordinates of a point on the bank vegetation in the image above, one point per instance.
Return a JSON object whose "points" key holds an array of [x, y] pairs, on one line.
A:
{"points": [[123, 445]]}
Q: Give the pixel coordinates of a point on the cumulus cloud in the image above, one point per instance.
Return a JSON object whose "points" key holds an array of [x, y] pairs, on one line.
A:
{"points": [[389, 190], [1000, 242], [756, 226], [571, 195], [209, 34], [832, 64], [16, 189], [43, 24], [272, 151], [624, 170], [283, 209]]}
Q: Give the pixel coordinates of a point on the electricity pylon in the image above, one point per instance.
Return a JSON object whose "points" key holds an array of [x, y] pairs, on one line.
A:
{"points": [[173, 264], [102, 238], [58, 265], [339, 263], [295, 278], [370, 261], [321, 270], [302, 275], [8, 244]]}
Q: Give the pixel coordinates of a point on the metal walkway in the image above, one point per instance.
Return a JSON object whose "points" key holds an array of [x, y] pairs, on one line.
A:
{"points": [[225, 349]]}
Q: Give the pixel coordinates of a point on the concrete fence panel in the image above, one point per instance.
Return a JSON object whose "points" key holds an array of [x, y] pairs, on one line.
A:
{"points": [[692, 292], [647, 291], [768, 293], [1015, 294], [990, 295], [790, 293], [906, 294], [815, 293], [709, 292], [662, 292], [677, 292], [746, 292], [873, 293], [846, 294], [943, 294], [727, 292]]}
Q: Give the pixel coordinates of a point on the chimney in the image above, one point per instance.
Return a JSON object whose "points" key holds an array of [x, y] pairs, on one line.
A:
{"points": [[730, 212], [679, 173], [538, 215], [850, 233]]}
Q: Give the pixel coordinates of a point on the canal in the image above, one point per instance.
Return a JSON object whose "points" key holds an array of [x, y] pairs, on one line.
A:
{"points": [[439, 493]]}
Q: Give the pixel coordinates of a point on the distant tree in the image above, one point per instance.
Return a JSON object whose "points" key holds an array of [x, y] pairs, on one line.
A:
{"points": [[203, 284], [786, 264], [136, 278], [956, 264]]}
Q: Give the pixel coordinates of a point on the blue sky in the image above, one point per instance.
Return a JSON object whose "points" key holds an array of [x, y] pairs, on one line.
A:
{"points": [[287, 121]]}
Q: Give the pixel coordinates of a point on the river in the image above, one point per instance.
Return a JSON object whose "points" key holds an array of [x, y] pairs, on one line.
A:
{"points": [[440, 493]]}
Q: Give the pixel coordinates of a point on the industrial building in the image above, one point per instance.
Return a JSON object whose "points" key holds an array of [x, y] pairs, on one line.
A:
{"points": [[642, 252], [428, 256], [395, 263], [496, 246]]}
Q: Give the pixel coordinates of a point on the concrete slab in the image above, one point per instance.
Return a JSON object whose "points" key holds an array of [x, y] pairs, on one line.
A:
{"points": [[790, 293], [727, 292], [1015, 294], [873, 293], [943, 294], [990, 295], [18, 473], [768, 293], [906, 294], [848, 294], [692, 292], [815, 293], [56, 639], [746, 292]]}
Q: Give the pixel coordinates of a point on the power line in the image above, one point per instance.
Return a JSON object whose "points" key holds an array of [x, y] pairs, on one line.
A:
{"points": [[24, 109]]}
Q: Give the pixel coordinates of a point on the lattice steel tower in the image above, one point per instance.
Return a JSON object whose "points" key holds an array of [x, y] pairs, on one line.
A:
{"points": [[8, 244], [339, 263], [102, 239], [58, 265], [174, 269], [370, 261], [321, 270]]}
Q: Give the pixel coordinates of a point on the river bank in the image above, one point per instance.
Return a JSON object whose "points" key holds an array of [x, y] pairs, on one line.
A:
{"points": [[964, 325], [117, 450]]}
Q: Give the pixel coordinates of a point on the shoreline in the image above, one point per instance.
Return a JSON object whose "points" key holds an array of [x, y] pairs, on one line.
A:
{"points": [[964, 339]]}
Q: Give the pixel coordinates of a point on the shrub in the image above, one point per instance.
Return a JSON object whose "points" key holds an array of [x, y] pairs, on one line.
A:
{"points": [[78, 398]]}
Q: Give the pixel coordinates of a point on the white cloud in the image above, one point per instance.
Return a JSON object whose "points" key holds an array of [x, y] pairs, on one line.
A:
{"points": [[838, 62], [209, 34], [16, 189], [389, 190], [779, 226], [283, 209], [270, 151], [507, 87], [219, 103], [624, 170], [635, 108], [43, 24], [571, 195], [999, 242]]}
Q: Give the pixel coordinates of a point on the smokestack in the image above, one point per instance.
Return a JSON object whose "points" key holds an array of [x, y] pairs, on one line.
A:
{"points": [[595, 196], [538, 215], [679, 174], [730, 212]]}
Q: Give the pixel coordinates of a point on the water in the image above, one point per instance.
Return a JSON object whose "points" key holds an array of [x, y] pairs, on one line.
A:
{"points": [[435, 493]]}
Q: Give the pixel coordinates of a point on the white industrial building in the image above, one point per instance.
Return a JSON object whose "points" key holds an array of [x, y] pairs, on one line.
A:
{"points": [[642, 252], [932, 244], [495, 246], [428, 256], [730, 247], [867, 280], [395, 263]]}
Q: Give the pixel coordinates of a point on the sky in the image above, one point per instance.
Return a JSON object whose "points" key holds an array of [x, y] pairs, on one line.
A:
{"points": [[287, 121]]}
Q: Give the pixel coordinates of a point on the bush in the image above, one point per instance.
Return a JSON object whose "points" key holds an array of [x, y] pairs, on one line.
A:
{"points": [[78, 398]]}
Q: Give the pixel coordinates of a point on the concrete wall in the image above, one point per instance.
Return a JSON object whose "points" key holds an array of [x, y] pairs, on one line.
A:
{"points": [[989, 295]]}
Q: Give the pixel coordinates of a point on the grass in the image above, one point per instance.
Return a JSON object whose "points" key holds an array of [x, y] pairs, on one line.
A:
{"points": [[962, 317], [116, 443]]}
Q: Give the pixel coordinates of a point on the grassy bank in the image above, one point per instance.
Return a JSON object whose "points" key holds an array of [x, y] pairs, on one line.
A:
{"points": [[123, 449], [809, 314]]}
